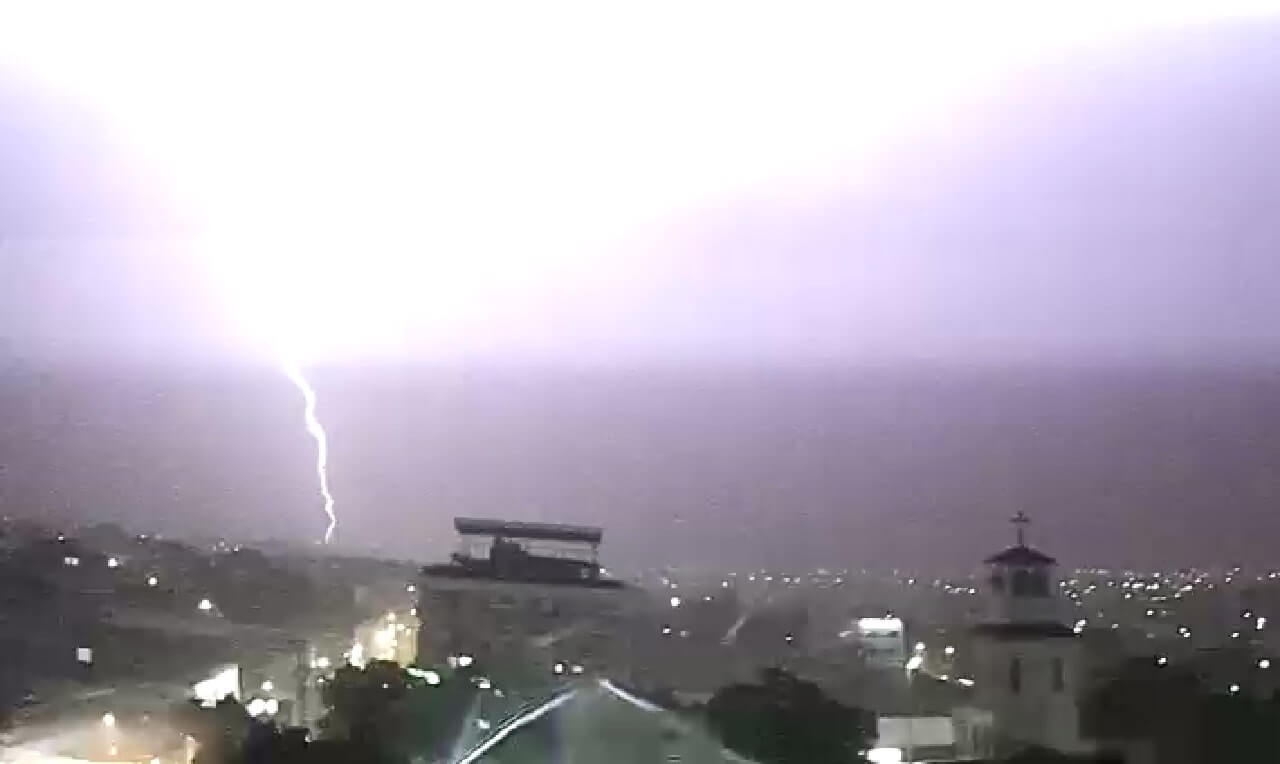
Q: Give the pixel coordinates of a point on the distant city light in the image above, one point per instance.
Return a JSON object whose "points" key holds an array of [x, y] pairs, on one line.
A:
{"points": [[1233, 689], [84, 655], [884, 755], [152, 581], [965, 681], [411, 588], [465, 660], [558, 668], [112, 562], [675, 602], [321, 662], [109, 720], [431, 677], [789, 638], [888, 624], [1162, 661], [666, 629], [483, 683], [1261, 623], [483, 724], [914, 663], [949, 650], [576, 668], [920, 646], [1235, 635], [1264, 663], [263, 707], [268, 685], [205, 605], [70, 561]]}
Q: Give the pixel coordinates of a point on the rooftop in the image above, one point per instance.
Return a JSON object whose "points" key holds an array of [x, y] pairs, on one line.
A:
{"points": [[1020, 554], [474, 526]]}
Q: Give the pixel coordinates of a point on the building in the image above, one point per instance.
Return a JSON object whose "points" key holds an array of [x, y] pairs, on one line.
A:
{"points": [[1026, 661], [521, 595], [881, 641]]}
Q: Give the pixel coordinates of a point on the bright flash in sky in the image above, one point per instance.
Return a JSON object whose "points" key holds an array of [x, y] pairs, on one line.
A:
{"points": [[372, 182]]}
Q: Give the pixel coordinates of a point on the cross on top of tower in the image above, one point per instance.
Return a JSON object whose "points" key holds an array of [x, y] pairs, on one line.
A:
{"points": [[1020, 522]]}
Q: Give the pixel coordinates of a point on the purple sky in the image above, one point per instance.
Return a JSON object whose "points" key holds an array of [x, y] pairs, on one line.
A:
{"points": [[971, 322]]}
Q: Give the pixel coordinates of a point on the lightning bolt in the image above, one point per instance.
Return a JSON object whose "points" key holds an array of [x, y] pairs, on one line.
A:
{"points": [[294, 372]]}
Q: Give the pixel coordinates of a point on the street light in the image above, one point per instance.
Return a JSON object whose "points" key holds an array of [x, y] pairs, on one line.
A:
{"points": [[913, 665]]}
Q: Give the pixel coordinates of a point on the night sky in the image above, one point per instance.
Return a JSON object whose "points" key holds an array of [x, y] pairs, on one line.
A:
{"points": [[1057, 293]]}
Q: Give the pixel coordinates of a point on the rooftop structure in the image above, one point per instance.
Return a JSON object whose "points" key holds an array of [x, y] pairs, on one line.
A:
{"points": [[542, 553], [472, 526]]}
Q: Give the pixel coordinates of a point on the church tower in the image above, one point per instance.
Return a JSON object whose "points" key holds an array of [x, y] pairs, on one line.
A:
{"points": [[1026, 659]]}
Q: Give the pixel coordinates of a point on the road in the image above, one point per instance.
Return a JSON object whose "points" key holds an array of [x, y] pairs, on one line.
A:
{"points": [[595, 721]]}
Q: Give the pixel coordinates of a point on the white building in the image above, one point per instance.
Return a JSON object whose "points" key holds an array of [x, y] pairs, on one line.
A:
{"points": [[881, 642], [1026, 662]]}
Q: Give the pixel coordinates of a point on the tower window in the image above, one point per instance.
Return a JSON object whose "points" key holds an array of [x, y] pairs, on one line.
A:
{"points": [[1015, 676], [1059, 675]]}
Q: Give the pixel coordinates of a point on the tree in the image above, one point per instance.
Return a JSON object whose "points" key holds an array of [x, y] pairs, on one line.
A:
{"points": [[367, 708], [220, 731], [787, 720], [1181, 720]]}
